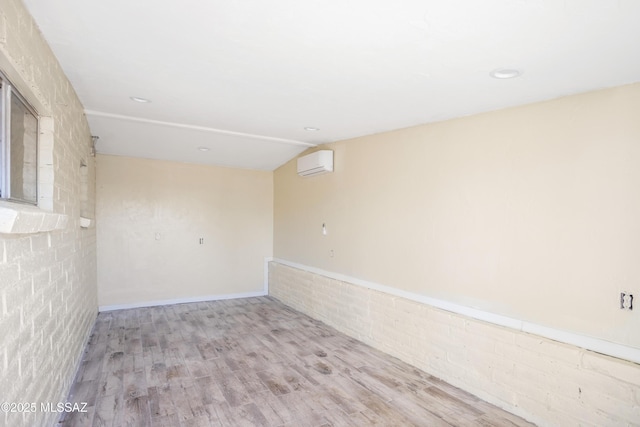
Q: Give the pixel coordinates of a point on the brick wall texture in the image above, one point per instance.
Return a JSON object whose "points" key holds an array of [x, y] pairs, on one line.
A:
{"points": [[47, 280], [544, 381]]}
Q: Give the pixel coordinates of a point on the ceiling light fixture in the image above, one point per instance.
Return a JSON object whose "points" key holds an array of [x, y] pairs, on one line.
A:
{"points": [[138, 99], [311, 129], [505, 73], [203, 149]]}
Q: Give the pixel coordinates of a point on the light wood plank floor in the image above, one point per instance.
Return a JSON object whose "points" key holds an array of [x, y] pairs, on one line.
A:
{"points": [[250, 362]]}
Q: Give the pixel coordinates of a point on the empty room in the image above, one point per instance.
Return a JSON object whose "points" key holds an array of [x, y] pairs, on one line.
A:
{"points": [[303, 213]]}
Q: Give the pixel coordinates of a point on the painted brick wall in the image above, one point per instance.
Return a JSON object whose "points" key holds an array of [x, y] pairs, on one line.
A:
{"points": [[544, 381], [47, 280]]}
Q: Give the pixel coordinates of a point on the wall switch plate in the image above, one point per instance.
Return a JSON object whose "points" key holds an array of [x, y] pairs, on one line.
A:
{"points": [[626, 301]]}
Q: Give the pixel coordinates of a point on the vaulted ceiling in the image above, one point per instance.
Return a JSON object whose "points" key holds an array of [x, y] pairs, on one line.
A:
{"points": [[257, 82]]}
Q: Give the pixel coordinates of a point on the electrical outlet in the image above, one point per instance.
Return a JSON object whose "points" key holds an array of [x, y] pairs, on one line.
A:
{"points": [[626, 301]]}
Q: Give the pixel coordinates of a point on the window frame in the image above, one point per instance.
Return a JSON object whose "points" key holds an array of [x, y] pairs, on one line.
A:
{"points": [[7, 91]]}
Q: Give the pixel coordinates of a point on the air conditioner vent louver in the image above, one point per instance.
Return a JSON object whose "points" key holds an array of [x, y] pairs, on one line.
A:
{"points": [[316, 163]]}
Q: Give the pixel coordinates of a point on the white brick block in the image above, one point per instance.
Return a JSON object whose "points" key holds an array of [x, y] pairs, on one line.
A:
{"points": [[9, 274], [47, 125], [623, 371], [558, 351], [3, 28], [498, 333]]}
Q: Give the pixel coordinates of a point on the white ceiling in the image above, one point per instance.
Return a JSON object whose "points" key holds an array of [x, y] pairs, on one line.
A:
{"points": [[245, 77]]}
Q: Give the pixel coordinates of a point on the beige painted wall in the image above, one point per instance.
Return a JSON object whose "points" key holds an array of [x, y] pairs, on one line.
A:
{"points": [[529, 212], [47, 279], [139, 200]]}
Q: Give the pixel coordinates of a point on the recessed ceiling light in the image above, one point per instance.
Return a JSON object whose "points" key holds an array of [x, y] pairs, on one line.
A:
{"points": [[138, 99], [311, 129], [505, 73], [203, 148]]}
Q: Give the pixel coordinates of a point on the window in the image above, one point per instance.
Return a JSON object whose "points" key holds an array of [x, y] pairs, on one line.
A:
{"points": [[18, 146]]}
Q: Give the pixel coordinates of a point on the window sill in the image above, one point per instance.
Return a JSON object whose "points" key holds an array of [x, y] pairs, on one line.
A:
{"points": [[22, 219]]}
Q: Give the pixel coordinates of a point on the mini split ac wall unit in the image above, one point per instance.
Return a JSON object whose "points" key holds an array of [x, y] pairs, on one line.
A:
{"points": [[316, 163]]}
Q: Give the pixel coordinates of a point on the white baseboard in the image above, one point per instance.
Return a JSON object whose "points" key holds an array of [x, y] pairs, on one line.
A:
{"points": [[103, 308], [598, 345], [267, 260]]}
